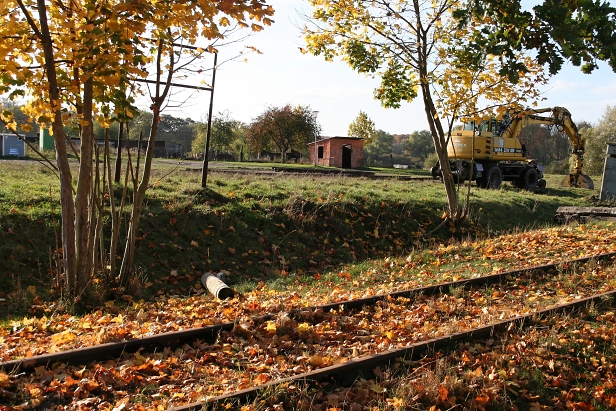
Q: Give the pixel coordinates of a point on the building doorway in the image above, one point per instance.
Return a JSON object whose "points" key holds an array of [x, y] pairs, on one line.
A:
{"points": [[346, 156]]}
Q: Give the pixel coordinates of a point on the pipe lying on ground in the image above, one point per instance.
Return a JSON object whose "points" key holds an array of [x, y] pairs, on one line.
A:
{"points": [[215, 286]]}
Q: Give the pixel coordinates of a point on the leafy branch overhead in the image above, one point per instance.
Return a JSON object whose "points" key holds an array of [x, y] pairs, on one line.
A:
{"points": [[581, 32]]}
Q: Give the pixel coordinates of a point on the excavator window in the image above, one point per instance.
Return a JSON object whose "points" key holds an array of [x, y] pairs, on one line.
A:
{"points": [[489, 125]]}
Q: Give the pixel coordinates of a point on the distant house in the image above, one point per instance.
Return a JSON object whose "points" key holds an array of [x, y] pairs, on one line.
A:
{"points": [[162, 149], [343, 152]]}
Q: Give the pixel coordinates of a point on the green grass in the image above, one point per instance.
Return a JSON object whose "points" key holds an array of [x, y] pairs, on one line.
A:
{"points": [[281, 228]]}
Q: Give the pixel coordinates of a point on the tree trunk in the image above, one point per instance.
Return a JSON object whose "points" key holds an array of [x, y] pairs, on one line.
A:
{"points": [[118, 162], [83, 197], [440, 145], [139, 196], [69, 261], [440, 142]]}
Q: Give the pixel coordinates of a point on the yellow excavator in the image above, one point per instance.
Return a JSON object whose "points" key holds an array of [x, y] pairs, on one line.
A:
{"points": [[490, 151]]}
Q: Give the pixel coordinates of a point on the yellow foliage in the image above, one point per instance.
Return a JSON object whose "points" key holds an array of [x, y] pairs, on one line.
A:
{"points": [[462, 90], [112, 44]]}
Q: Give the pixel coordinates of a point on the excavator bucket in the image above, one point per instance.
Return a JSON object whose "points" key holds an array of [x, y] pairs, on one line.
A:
{"points": [[577, 180]]}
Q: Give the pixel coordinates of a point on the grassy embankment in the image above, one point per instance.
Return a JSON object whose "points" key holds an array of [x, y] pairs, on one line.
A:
{"points": [[259, 227]]}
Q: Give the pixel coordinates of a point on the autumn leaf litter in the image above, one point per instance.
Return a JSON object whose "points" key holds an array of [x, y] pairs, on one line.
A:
{"points": [[255, 353]]}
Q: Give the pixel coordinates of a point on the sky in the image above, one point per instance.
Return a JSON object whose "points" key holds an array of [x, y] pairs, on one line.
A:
{"points": [[283, 75]]}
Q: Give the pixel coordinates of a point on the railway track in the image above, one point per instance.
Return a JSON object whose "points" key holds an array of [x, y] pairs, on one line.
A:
{"points": [[343, 338], [350, 371]]}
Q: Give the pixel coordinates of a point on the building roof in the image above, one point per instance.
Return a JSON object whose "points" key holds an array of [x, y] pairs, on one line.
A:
{"points": [[337, 137]]}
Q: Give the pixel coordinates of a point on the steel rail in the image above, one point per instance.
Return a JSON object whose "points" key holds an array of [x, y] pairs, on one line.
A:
{"points": [[348, 372], [209, 333]]}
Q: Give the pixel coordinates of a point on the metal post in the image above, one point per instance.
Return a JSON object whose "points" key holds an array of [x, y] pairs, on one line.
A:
{"points": [[315, 113], [315, 149], [209, 127]]}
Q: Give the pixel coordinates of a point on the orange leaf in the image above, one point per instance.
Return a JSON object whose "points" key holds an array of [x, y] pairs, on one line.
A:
{"points": [[482, 399], [262, 378], [443, 393]]}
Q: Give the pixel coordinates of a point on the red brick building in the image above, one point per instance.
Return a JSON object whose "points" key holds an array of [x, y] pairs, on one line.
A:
{"points": [[343, 152]]}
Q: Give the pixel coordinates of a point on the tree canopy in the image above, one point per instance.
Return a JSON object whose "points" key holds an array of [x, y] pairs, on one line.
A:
{"points": [[362, 127], [285, 128], [597, 138], [581, 32], [225, 131], [382, 144], [419, 144]]}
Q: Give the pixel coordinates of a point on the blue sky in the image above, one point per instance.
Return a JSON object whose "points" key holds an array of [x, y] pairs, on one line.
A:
{"points": [[283, 75]]}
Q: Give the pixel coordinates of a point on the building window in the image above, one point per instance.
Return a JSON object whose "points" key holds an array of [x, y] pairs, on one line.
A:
{"points": [[320, 155]]}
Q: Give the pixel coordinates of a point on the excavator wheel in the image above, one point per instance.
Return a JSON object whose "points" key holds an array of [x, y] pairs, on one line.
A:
{"points": [[529, 178], [492, 177], [577, 180]]}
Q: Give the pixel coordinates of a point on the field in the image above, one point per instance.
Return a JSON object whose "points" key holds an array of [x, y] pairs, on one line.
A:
{"points": [[259, 227], [297, 239]]}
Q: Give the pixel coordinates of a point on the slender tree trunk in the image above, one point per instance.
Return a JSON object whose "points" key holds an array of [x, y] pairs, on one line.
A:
{"points": [[440, 145], [118, 162], [66, 180], [139, 196], [83, 198], [115, 219], [436, 128]]}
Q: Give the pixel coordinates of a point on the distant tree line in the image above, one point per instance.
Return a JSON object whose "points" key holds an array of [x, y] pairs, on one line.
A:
{"points": [[288, 128], [277, 129]]}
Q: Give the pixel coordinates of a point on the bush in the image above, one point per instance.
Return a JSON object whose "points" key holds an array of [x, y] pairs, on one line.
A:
{"points": [[430, 161], [558, 167]]}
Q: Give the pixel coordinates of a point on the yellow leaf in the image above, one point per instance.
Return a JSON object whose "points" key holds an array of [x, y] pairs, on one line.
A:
{"points": [[304, 327], [63, 337], [271, 326], [316, 360], [377, 388], [139, 359]]}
